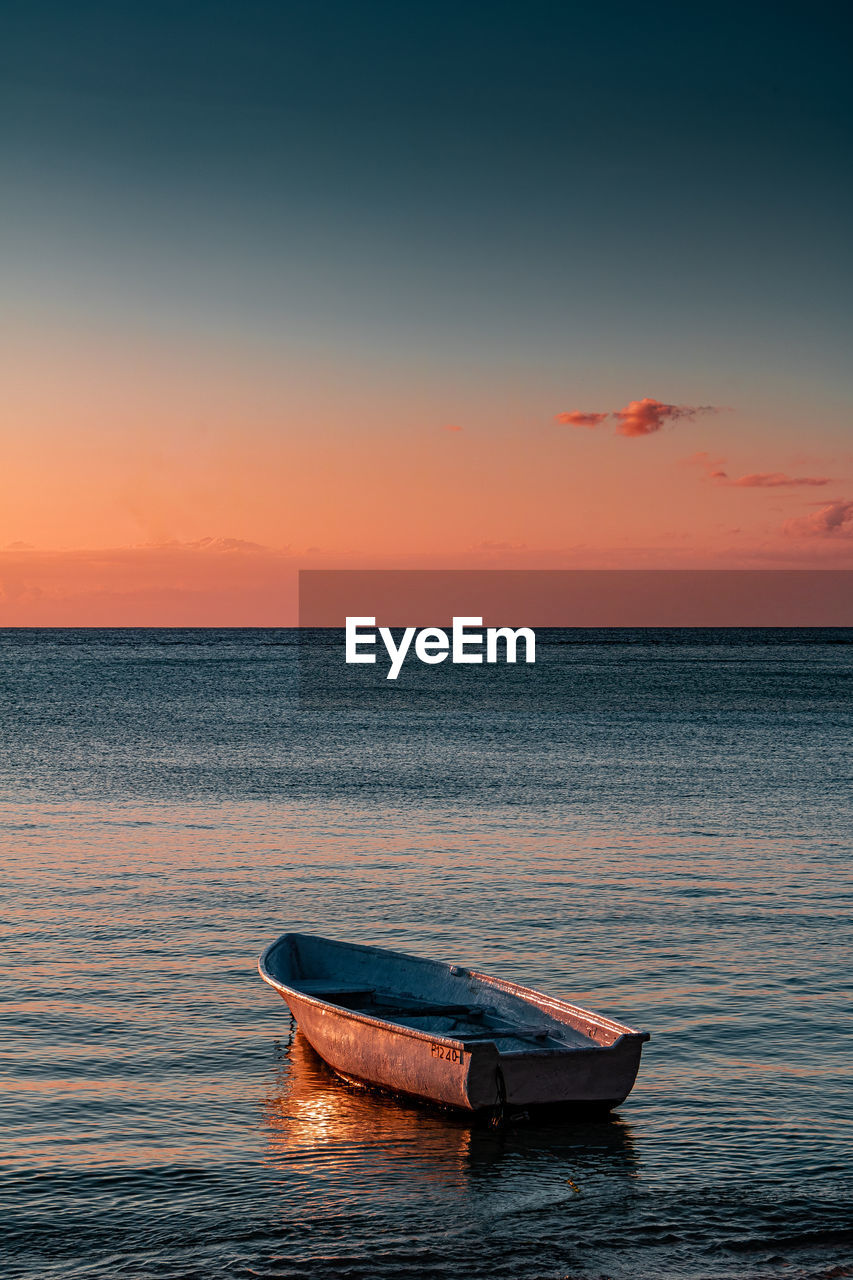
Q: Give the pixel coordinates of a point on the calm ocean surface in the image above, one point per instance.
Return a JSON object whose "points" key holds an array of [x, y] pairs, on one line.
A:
{"points": [[654, 823]]}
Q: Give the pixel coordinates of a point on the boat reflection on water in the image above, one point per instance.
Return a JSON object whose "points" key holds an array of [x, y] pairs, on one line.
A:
{"points": [[350, 1136]]}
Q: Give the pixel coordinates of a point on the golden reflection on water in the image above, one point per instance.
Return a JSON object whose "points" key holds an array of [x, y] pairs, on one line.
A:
{"points": [[311, 1112], [315, 1118]]}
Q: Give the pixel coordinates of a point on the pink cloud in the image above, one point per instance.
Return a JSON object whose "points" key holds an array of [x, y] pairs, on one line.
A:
{"points": [[500, 546], [713, 468], [577, 418], [709, 463], [451, 427], [208, 544], [832, 521], [644, 417], [777, 480]]}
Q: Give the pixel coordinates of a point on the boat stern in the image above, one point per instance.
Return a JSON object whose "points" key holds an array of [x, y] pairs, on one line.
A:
{"points": [[598, 1077]]}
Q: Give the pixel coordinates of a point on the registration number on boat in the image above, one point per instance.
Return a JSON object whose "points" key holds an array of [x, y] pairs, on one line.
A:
{"points": [[444, 1051]]}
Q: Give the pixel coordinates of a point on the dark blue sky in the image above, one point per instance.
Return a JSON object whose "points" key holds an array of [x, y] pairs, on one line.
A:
{"points": [[618, 184]]}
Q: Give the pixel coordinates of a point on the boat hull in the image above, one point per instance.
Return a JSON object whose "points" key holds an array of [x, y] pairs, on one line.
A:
{"points": [[387, 1057], [596, 1072]]}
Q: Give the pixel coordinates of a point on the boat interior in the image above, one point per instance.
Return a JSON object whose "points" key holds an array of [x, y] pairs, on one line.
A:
{"points": [[425, 995], [468, 1022]]}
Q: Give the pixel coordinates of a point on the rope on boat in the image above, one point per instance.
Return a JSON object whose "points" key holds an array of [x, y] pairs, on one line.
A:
{"points": [[281, 1047], [499, 1115], [291, 1032]]}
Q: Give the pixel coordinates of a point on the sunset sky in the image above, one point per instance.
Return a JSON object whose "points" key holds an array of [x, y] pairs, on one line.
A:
{"points": [[436, 285]]}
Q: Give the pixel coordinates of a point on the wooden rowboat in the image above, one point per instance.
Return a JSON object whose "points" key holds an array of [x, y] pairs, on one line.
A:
{"points": [[447, 1034]]}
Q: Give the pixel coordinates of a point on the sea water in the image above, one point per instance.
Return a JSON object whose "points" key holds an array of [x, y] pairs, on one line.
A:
{"points": [[654, 824]]}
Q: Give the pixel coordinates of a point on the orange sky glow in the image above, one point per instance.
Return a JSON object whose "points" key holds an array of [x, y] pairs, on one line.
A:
{"points": [[151, 484]]}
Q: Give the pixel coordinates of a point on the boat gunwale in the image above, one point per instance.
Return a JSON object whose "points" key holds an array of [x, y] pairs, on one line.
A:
{"points": [[353, 1014], [511, 988], [597, 1019]]}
